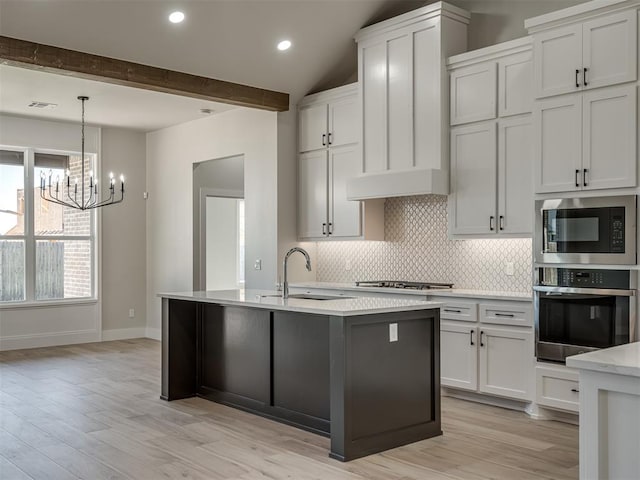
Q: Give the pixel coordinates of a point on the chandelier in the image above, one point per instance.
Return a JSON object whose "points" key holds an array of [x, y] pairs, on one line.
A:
{"points": [[78, 196]]}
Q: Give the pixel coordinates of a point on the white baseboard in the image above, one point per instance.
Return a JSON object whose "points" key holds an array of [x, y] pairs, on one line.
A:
{"points": [[123, 333], [520, 405], [19, 342], [154, 333]]}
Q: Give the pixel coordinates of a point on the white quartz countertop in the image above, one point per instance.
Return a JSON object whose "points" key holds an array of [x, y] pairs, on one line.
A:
{"points": [[453, 292], [272, 300], [622, 360]]}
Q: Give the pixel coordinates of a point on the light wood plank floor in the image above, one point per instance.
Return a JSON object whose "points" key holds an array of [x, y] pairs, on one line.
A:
{"points": [[92, 411]]}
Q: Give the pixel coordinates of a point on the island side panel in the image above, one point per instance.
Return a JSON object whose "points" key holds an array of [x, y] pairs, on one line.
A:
{"points": [[384, 393], [301, 369], [235, 356], [179, 320]]}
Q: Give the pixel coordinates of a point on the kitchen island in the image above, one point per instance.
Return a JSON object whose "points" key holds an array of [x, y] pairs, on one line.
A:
{"points": [[364, 371], [609, 411]]}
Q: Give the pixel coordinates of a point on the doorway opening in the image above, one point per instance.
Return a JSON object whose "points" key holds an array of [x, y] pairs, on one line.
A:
{"points": [[219, 224]]}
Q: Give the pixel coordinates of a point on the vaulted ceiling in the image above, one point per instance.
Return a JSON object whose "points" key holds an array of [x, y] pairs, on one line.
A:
{"points": [[233, 40]]}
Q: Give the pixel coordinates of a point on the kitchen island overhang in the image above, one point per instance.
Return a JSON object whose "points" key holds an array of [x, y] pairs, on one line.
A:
{"points": [[364, 371]]}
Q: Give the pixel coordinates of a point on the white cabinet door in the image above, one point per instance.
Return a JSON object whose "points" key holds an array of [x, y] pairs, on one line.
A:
{"points": [[473, 93], [515, 84], [558, 144], [473, 179], [515, 175], [345, 217], [313, 128], [312, 194], [558, 65], [399, 103], [343, 122], [506, 362], [609, 138], [610, 54], [458, 355]]}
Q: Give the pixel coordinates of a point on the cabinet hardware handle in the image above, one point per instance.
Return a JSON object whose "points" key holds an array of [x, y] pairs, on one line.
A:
{"points": [[491, 219], [324, 137], [584, 177], [450, 310], [481, 342], [584, 77], [324, 229], [329, 138], [510, 315], [575, 390], [577, 82], [330, 228], [501, 222], [577, 180], [471, 337]]}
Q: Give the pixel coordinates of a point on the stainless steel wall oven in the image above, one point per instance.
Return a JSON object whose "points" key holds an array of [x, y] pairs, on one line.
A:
{"points": [[595, 230], [580, 310]]}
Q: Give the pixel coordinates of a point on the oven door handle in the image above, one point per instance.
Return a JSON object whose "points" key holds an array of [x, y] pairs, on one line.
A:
{"points": [[587, 291]]}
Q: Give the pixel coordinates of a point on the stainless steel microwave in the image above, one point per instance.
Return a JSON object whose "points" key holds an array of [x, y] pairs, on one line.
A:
{"points": [[594, 230]]}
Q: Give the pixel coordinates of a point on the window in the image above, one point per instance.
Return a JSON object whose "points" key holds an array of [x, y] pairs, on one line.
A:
{"points": [[46, 250]]}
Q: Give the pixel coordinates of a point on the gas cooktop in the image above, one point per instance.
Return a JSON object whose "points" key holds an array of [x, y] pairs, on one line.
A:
{"points": [[403, 284]]}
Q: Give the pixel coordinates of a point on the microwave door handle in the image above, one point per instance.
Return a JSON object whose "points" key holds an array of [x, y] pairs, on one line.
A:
{"points": [[586, 291]]}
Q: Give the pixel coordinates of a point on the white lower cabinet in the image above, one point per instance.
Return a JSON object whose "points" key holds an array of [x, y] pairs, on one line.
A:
{"points": [[459, 357], [557, 387], [491, 359], [506, 360]]}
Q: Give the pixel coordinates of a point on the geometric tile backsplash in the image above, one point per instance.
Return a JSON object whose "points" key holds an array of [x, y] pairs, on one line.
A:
{"points": [[417, 248]]}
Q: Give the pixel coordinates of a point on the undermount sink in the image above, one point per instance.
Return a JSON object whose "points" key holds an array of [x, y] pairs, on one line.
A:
{"points": [[312, 296]]}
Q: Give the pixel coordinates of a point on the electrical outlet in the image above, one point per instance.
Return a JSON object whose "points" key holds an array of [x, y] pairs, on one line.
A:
{"points": [[347, 265], [393, 332], [508, 269], [257, 265], [132, 313]]}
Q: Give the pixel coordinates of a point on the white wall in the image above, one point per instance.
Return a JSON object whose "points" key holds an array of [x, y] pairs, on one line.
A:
{"points": [[221, 243], [26, 327], [171, 153], [124, 237], [496, 21]]}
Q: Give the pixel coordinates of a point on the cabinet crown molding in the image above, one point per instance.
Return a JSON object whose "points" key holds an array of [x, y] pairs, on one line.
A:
{"points": [[331, 94], [493, 52], [578, 13], [435, 10]]}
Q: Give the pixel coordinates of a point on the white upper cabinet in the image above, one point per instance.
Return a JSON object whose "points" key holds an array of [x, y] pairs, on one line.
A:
{"points": [[473, 93], [587, 141], [328, 119], [515, 84], [515, 169], [593, 53], [405, 102], [492, 160], [329, 127], [473, 179]]}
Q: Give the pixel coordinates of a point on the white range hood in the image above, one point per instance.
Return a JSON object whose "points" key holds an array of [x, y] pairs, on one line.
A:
{"points": [[404, 98], [398, 184]]}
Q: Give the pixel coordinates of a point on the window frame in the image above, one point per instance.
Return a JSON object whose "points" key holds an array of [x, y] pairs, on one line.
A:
{"points": [[30, 238]]}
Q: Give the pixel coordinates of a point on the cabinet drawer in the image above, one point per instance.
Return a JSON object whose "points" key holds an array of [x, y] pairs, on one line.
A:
{"points": [[506, 314], [557, 388], [465, 311]]}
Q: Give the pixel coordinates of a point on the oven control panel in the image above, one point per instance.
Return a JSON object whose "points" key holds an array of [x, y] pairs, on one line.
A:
{"points": [[584, 278]]}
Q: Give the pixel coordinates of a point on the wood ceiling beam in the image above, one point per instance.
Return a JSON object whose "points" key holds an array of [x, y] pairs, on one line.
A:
{"points": [[21, 53]]}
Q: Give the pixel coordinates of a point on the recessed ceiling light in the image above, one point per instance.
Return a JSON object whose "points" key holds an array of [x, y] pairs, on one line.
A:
{"points": [[176, 17], [284, 45]]}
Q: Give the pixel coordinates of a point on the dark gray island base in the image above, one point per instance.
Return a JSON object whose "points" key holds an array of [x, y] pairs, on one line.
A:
{"points": [[335, 375]]}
